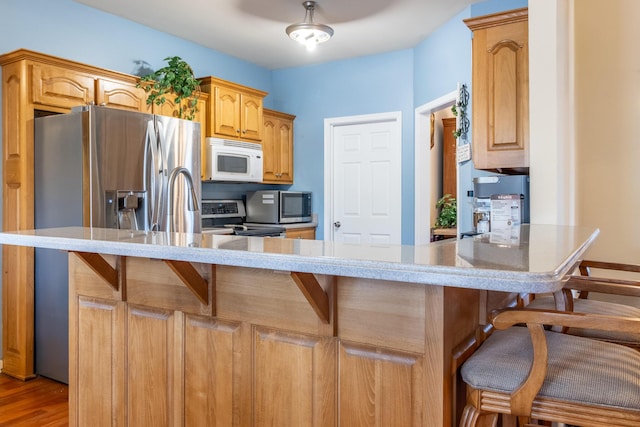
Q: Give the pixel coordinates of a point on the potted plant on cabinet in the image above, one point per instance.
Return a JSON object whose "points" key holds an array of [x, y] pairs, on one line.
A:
{"points": [[175, 79]]}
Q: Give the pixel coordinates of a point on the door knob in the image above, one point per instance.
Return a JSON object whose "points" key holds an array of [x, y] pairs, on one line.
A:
{"points": [[337, 224]]}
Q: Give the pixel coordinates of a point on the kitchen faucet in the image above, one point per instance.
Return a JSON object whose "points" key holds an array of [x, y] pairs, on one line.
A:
{"points": [[193, 199]]}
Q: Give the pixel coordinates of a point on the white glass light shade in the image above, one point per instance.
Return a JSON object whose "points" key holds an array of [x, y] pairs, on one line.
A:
{"points": [[308, 32]]}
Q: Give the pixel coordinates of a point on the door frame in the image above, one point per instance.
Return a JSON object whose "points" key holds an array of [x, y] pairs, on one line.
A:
{"points": [[393, 117], [422, 172]]}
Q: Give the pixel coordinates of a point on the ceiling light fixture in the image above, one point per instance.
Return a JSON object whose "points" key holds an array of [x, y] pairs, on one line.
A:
{"points": [[308, 32]]}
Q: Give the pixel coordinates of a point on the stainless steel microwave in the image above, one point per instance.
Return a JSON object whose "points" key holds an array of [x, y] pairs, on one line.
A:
{"points": [[278, 207], [234, 161]]}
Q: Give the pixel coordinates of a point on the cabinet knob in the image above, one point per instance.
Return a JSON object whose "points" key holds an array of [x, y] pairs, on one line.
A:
{"points": [[337, 224]]}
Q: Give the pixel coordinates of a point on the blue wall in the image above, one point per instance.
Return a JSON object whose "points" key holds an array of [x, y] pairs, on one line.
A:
{"points": [[372, 84], [395, 81], [73, 31]]}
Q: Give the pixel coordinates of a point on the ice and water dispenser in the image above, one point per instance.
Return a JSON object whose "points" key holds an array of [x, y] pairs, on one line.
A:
{"points": [[126, 210], [501, 199]]}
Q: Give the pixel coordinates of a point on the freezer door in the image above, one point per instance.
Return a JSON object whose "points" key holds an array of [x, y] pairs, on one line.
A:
{"points": [[116, 147], [179, 142]]}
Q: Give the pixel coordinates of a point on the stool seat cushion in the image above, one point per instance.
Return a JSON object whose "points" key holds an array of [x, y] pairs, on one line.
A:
{"points": [[579, 369], [595, 307]]}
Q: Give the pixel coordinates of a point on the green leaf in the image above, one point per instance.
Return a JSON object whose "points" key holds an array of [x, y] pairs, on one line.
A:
{"points": [[175, 79]]}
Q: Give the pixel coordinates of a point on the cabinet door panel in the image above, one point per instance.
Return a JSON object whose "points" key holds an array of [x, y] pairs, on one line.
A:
{"points": [[61, 87], [216, 353], [270, 149], [293, 381], [226, 112], [251, 117], [503, 114], [379, 387], [285, 131], [96, 376], [123, 95], [150, 350]]}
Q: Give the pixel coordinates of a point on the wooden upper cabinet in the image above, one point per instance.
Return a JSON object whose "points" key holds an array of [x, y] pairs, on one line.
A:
{"points": [[500, 89], [277, 147], [234, 111], [61, 87], [64, 88], [121, 94]]}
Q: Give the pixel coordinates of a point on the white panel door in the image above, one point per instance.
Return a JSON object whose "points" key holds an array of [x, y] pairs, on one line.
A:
{"points": [[367, 168]]}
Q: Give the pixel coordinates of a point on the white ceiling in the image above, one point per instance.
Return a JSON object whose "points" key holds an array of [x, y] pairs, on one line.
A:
{"points": [[254, 30]]}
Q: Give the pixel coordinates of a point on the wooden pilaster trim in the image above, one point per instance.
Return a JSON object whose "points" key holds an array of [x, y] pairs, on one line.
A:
{"points": [[314, 293], [214, 292], [121, 265], [190, 277], [101, 267]]}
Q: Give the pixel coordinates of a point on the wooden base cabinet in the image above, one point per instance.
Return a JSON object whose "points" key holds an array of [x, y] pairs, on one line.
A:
{"points": [[301, 233], [150, 347]]}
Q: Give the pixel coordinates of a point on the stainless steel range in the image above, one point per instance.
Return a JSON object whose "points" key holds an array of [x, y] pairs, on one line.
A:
{"points": [[227, 217]]}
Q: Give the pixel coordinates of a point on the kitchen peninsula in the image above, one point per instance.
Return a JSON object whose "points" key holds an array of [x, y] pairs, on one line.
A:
{"points": [[170, 329]]}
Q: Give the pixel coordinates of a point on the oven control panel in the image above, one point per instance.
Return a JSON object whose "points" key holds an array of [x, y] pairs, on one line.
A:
{"points": [[222, 209]]}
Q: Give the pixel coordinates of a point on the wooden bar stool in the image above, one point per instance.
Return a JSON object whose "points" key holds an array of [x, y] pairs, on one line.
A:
{"points": [[586, 283], [553, 377]]}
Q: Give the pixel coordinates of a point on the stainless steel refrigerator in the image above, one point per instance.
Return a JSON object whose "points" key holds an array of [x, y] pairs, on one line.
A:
{"points": [[109, 168]]}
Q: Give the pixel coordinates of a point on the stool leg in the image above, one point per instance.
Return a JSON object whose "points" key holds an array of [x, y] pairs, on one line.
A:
{"points": [[472, 417]]}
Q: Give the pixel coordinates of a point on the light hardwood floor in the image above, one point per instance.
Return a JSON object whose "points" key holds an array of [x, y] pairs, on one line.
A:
{"points": [[40, 402]]}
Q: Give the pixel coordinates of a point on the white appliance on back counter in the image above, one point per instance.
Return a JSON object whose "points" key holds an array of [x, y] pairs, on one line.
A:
{"points": [[500, 199], [278, 207], [232, 161], [108, 168]]}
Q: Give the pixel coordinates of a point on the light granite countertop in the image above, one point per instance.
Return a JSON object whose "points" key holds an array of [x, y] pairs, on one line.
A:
{"points": [[530, 258]]}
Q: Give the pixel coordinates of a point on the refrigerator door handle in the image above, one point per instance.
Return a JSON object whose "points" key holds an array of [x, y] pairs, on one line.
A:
{"points": [[150, 173], [163, 171], [162, 149]]}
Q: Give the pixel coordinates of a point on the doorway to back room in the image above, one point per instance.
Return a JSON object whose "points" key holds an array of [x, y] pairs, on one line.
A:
{"points": [[428, 178]]}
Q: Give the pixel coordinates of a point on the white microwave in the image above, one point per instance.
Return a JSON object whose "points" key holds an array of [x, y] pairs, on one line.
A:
{"points": [[233, 161]]}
